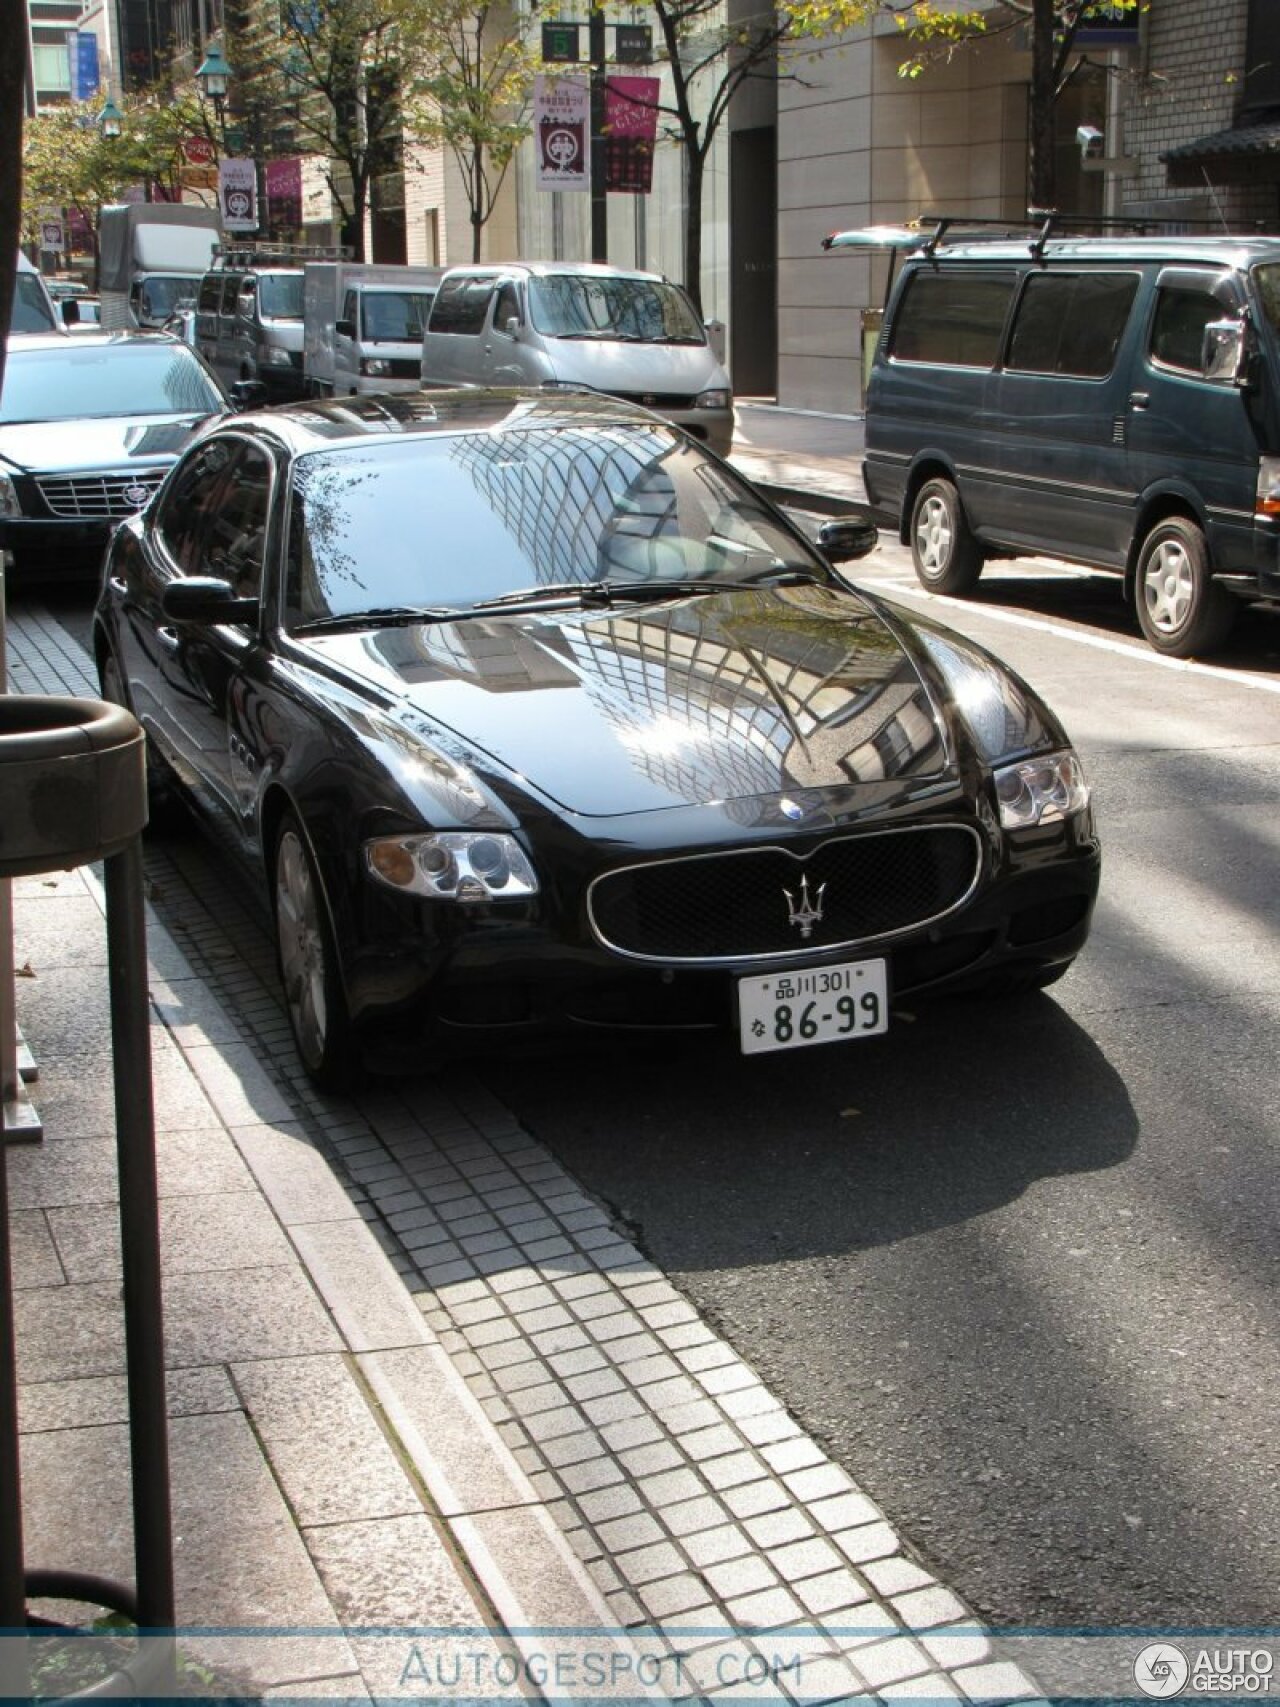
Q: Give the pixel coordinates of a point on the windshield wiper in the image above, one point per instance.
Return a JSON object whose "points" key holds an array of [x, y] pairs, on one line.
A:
{"points": [[605, 593], [386, 616]]}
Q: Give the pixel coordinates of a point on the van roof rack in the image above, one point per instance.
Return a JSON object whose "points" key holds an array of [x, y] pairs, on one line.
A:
{"points": [[259, 254], [1047, 222]]}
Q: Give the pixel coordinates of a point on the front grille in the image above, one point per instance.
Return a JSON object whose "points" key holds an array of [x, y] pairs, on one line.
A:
{"points": [[98, 497], [735, 906], [657, 399]]}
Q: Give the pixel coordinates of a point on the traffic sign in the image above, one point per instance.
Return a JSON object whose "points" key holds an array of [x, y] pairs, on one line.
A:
{"points": [[560, 44], [633, 44]]}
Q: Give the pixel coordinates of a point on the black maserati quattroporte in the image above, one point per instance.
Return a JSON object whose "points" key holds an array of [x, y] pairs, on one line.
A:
{"points": [[529, 713]]}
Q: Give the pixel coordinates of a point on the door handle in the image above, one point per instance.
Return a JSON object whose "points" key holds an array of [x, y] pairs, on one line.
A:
{"points": [[168, 638], [1139, 399], [119, 585]]}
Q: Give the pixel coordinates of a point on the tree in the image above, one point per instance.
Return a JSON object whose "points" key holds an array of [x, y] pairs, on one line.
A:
{"points": [[13, 61], [69, 164], [709, 59], [469, 93], [1054, 27]]}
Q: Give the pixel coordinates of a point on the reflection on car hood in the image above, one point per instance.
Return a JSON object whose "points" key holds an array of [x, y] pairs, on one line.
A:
{"points": [[663, 369], [62, 447], [734, 697]]}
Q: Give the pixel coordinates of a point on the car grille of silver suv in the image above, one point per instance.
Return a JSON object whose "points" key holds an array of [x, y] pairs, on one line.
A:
{"points": [[98, 497]]}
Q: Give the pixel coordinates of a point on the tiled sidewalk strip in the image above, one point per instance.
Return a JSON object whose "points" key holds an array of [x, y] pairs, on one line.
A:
{"points": [[698, 1506]]}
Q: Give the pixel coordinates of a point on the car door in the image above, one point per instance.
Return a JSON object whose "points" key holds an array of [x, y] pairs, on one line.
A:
{"points": [[346, 334], [205, 663], [1065, 484], [502, 360], [1188, 433]]}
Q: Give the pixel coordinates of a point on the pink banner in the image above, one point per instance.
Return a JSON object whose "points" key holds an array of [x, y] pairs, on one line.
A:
{"points": [[630, 128]]}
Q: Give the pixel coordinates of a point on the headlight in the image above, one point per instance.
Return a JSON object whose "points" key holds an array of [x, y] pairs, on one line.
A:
{"points": [[9, 505], [274, 357], [375, 367], [453, 865], [1038, 791], [713, 400]]}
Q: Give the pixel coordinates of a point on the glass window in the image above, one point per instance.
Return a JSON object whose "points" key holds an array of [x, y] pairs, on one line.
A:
{"points": [[105, 381], [210, 293], [349, 309], [635, 310], [458, 519], [234, 543], [508, 306], [1177, 329], [1267, 282], [461, 304], [31, 312], [189, 502], [396, 316], [952, 317], [230, 292], [280, 296], [1071, 323]]}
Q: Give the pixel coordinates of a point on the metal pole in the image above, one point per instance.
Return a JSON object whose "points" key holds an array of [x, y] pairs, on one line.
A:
{"points": [[599, 158], [15, 1682], [139, 1236]]}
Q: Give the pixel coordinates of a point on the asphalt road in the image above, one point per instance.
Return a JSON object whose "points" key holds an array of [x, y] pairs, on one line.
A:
{"points": [[1016, 1263]]}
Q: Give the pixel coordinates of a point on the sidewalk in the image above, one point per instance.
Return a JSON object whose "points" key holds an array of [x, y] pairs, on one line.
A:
{"points": [[803, 458], [437, 1428]]}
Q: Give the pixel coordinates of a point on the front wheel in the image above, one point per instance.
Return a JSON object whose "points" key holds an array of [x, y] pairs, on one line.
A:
{"points": [[946, 556], [308, 962], [1181, 608]]}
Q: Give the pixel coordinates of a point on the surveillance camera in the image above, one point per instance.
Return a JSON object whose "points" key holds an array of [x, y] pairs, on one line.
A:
{"points": [[1090, 141]]}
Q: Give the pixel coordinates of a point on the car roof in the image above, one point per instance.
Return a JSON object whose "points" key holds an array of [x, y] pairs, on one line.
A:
{"points": [[545, 269], [1214, 251], [113, 340], [336, 422]]}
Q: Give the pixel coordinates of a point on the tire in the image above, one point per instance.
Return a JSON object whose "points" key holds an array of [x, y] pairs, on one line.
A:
{"points": [[160, 790], [308, 964], [1182, 610], [946, 556]]}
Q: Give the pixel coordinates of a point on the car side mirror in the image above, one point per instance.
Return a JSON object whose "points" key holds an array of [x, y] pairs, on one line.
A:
{"points": [[845, 538], [70, 311], [1224, 352], [248, 393], [511, 325], [345, 328], [206, 599]]}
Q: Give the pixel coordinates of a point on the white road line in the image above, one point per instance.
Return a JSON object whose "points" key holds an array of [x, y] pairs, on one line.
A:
{"points": [[1100, 643]]}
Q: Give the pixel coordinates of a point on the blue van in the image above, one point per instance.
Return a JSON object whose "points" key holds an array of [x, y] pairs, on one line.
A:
{"points": [[1113, 401]]}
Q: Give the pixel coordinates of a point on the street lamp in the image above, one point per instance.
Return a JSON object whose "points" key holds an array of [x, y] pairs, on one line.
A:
{"points": [[110, 120], [212, 77]]}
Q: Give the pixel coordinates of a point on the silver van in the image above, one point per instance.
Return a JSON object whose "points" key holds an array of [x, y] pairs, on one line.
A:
{"points": [[557, 323], [249, 320]]}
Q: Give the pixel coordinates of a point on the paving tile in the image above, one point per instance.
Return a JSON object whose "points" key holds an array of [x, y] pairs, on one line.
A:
{"points": [[776, 1528], [820, 1678], [671, 1486], [674, 1594], [638, 1529], [367, 1298], [961, 1645], [705, 1444], [642, 1565], [690, 1516], [538, 1585], [755, 1498], [845, 1511], [596, 1472], [869, 1541], [891, 1661], [926, 1607], [772, 1426], [823, 1481], [33, 1253], [896, 1575], [569, 1449], [594, 1385], [631, 1431], [546, 1396], [295, 1178], [613, 1408], [733, 1469], [546, 1425], [766, 1610], [617, 1501], [742, 1576], [830, 1592], [196, 1234], [854, 1628], [931, 1686], [711, 1546], [999, 1681], [328, 1452], [651, 1458]]}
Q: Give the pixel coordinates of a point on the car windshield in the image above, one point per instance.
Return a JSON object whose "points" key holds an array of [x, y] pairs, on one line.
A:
{"points": [[31, 311], [148, 377], [585, 305], [452, 523], [160, 294], [280, 296], [396, 316]]}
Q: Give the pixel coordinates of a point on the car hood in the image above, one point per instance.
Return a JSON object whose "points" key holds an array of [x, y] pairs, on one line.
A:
{"points": [[662, 369], [742, 697], [62, 447]]}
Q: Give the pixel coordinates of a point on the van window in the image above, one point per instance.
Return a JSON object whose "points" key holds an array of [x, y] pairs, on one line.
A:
{"points": [[461, 304], [1267, 280], [210, 293], [280, 296], [1177, 328], [230, 291], [31, 310], [508, 306], [395, 316], [1071, 323], [952, 317]]}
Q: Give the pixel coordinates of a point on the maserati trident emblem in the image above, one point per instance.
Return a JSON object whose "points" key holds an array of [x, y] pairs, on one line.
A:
{"points": [[809, 912]]}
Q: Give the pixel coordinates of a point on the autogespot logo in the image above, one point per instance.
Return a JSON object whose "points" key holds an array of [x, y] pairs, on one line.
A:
{"points": [[1161, 1670]]}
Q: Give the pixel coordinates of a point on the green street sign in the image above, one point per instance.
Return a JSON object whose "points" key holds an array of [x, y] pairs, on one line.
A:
{"points": [[560, 44]]}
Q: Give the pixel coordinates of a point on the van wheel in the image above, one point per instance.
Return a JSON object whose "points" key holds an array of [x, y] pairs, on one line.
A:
{"points": [[947, 558], [308, 961], [1182, 609]]}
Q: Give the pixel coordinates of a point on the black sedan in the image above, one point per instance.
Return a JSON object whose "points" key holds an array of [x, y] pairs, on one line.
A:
{"points": [[89, 426], [530, 713]]}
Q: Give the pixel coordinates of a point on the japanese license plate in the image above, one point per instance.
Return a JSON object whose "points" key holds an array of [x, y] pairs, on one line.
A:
{"points": [[789, 1010]]}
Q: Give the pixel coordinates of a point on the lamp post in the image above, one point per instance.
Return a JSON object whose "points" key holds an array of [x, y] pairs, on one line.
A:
{"points": [[110, 120], [213, 76]]}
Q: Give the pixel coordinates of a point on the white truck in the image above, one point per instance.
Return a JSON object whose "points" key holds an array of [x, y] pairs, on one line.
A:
{"points": [[363, 326], [151, 256]]}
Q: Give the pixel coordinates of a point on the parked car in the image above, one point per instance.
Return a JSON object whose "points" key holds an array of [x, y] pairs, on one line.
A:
{"points": [[249, 318], [554, 323], [82, 313], [1111, 400], [528, 712], [88, 428], [33, 308]]}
